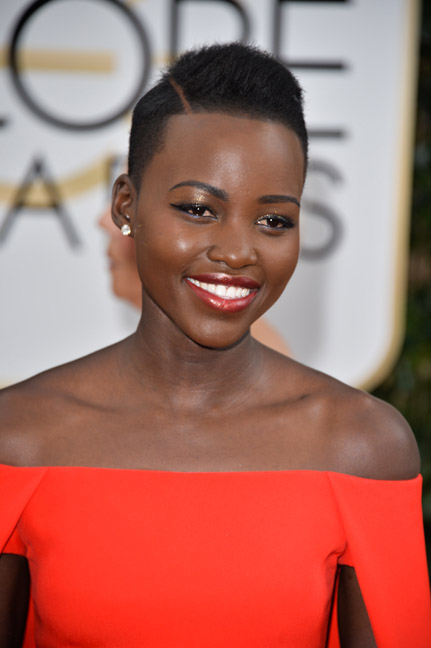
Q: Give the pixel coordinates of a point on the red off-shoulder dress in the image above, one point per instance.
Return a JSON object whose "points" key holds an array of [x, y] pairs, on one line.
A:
{"points": [[155, 559]]}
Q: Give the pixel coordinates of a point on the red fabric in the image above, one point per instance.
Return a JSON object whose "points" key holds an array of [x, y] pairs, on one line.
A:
{"points": [[124, 558]]}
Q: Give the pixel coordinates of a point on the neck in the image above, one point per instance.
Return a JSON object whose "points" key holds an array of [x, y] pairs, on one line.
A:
{"points": [[179, 372]]}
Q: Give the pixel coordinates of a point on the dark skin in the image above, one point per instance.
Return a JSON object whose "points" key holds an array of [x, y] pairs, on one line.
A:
{"points": [[191, 390]]}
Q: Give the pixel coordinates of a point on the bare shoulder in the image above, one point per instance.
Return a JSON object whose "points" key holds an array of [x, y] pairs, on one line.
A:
{"points": [[17, 409], [367, 437], [40, 408], [354, 432], [374, 439]]}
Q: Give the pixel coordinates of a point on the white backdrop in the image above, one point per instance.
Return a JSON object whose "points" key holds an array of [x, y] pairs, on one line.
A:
{"points": [[78, 63]]}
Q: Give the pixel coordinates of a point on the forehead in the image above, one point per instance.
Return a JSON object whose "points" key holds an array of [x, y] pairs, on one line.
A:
{"points": [[227, 149]]}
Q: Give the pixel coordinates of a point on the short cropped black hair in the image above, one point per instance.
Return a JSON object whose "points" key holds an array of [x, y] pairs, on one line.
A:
{"points": [[231, 78]]}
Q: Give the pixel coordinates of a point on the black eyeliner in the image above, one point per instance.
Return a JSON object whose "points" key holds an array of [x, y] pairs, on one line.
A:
{"points": [[288, 222]]}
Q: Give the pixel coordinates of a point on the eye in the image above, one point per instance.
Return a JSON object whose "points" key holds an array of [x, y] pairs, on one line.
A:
{"points": [[195, 210], [276, 222]]}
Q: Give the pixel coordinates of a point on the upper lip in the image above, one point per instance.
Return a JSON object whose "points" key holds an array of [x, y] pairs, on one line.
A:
{"points": [[226, 280]]}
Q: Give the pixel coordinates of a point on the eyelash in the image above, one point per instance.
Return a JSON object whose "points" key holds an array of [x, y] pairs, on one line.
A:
{"points": [[282, 222], [285, 221], [188, 207]]}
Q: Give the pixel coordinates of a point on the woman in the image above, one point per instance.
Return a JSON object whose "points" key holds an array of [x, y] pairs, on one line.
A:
{"points": [[189, 486], [126, 283]]}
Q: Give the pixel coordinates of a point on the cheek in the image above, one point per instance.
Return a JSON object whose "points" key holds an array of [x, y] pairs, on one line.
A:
{"points": [[280, 264], [172, 249]]}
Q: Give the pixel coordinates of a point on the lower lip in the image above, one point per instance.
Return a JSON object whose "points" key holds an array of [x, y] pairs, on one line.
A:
{"points": [[220, 304]]}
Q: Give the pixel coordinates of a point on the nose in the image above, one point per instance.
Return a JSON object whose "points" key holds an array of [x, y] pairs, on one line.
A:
{"points": [[233, 246]]}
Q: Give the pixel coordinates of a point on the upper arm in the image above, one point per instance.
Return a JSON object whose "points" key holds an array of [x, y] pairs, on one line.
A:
{"points": [[14, 573], [353, 624], [14, 599], [376, 443]]}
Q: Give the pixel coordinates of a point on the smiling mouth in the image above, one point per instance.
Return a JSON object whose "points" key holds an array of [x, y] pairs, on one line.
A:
{"points": [[224, 293]]}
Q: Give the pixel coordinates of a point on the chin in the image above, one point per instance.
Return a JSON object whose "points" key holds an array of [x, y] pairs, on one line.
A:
{"points": [[115, 289], [219, 341]]}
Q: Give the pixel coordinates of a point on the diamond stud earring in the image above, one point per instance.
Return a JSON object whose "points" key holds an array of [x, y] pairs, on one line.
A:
{"points": [[126, 230]]}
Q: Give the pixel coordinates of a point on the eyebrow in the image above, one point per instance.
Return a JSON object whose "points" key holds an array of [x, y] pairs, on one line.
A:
{"points": [[223, 195], [277, 198], [218, 193]]}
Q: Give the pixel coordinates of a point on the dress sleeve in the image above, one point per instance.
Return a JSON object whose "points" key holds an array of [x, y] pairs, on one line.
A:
{"points": [[17, 486], [385, 545]]}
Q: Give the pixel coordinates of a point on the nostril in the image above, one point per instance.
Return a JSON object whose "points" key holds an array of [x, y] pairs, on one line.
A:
{"points": [[235, 253]]}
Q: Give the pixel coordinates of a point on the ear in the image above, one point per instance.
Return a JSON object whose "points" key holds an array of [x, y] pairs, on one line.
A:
{"points": [[123, 201]]}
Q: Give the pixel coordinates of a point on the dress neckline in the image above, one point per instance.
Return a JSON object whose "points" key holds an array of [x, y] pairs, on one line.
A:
{"points": [[215, 473]]}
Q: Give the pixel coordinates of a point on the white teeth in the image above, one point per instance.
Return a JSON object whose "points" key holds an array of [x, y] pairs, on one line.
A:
{"points": [[221, 291], [226, 292]]}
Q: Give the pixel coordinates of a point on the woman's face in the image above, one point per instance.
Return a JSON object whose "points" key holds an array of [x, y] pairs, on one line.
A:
{"points": [[216, 223]]}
